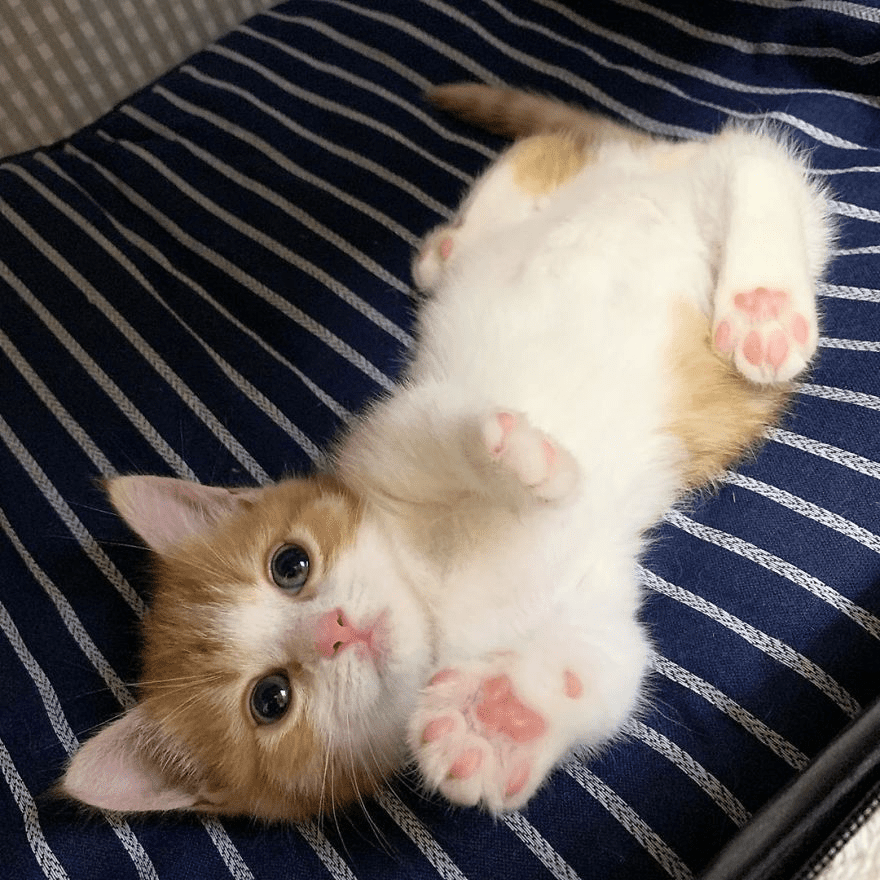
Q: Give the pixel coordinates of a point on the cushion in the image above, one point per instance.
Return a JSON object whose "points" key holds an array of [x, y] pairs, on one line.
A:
{"points": [[209, 280]]}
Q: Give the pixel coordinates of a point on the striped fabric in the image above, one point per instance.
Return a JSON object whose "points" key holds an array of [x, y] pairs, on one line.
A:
{"points": [[210, 279], [63, 63]]}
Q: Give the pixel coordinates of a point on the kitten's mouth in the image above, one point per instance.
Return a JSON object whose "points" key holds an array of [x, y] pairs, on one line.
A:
{"points": [[335, 633]]}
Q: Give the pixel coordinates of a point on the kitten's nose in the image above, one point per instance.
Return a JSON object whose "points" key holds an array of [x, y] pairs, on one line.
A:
{"points": [[334, 632]]}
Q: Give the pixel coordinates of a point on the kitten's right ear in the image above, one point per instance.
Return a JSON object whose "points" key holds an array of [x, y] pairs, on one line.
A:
{"points": [[120, 769], [166, 512]]}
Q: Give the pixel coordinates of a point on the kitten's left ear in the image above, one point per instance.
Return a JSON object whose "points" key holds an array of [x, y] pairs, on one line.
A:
{"points": [[165, 511], [119, 770]]}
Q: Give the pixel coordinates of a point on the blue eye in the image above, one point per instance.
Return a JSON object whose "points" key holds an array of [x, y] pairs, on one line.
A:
{"points": [[289, 567], [270, 698]]}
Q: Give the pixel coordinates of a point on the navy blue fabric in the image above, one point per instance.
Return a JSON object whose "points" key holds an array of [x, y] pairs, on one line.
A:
{"points": [[210, 279]]}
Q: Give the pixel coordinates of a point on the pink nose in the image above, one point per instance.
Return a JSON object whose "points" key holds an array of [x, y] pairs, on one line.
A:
{"points": [[334, 632]]}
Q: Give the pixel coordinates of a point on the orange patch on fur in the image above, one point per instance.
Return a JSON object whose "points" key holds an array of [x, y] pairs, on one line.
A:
{"points": [[716, 413], [544, 162]]}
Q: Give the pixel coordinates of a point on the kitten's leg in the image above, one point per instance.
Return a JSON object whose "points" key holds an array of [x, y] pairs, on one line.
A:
{"points": [[765, 306], [540, 464], [490, 731], [435, 252]]}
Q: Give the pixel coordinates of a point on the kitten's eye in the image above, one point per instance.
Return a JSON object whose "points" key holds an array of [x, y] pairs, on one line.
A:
{"points": [[270, 699], [290, 567]]}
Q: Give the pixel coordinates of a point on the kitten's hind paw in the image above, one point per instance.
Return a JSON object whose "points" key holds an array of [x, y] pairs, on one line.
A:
{"points": [[767, 336], [540, 464]]}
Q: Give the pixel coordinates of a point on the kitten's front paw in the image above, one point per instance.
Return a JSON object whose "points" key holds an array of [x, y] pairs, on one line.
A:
{"points": [[435, 252], [540, 464], [769, 335], [478, 742]]}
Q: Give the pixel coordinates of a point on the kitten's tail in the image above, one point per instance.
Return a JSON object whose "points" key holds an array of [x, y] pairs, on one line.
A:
{"points": [[515, 113]]}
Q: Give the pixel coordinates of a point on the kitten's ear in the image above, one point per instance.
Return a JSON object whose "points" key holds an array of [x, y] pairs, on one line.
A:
{"points": [[165, 511], [119, 770]]}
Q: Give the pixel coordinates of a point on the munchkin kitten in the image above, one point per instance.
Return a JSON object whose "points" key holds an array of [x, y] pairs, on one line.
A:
{"points": [[611, 321]]}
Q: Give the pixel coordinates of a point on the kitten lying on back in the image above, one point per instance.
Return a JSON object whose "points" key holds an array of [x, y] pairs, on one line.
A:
{"points": [[613, 319]]}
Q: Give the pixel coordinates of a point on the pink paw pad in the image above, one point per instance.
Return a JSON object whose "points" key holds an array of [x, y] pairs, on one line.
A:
{"points": [[438, 728], [761, 304], [517, 780], [572, 685], [445, 247], [501, 711], [466, 764], [765, 330]]}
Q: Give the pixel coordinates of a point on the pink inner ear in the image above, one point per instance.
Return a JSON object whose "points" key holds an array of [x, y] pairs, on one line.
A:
{"points": [[166, 512], [111, 772]]}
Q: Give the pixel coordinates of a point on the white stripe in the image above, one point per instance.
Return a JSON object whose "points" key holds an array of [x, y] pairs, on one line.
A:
{"points": [[465, 62], [54, 405], [314, 226], [769, 645], [177, 465], [746, 46], [331, 859], [286, 163], [227, 849], [845, 209], [840, 395], [158, 257], [709, 783], [46, 859], [849, 344], [839, 7], [806, 508], [856, 251], [780, 746], [140, 345], [765, 559], [65, 513], [344, 110], [74, 626], [67, 738], [629, 819], [48, 696], [643, 51], [831, 453], [390, 63], [853, 169], [315, 328], [539, 846], [361, 161], [419, 835], [861, 294]]}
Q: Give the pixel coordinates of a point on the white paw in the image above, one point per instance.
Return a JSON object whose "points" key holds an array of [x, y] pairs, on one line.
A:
{"points": [[477, 742], [768, 333], [539, 463], [430, 262]]}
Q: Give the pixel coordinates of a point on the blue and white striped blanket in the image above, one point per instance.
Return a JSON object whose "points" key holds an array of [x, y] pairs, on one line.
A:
{"points": [[210, 279]]}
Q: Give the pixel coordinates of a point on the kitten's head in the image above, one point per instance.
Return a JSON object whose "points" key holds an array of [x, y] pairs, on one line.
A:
{"points": [[282, 652]]}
